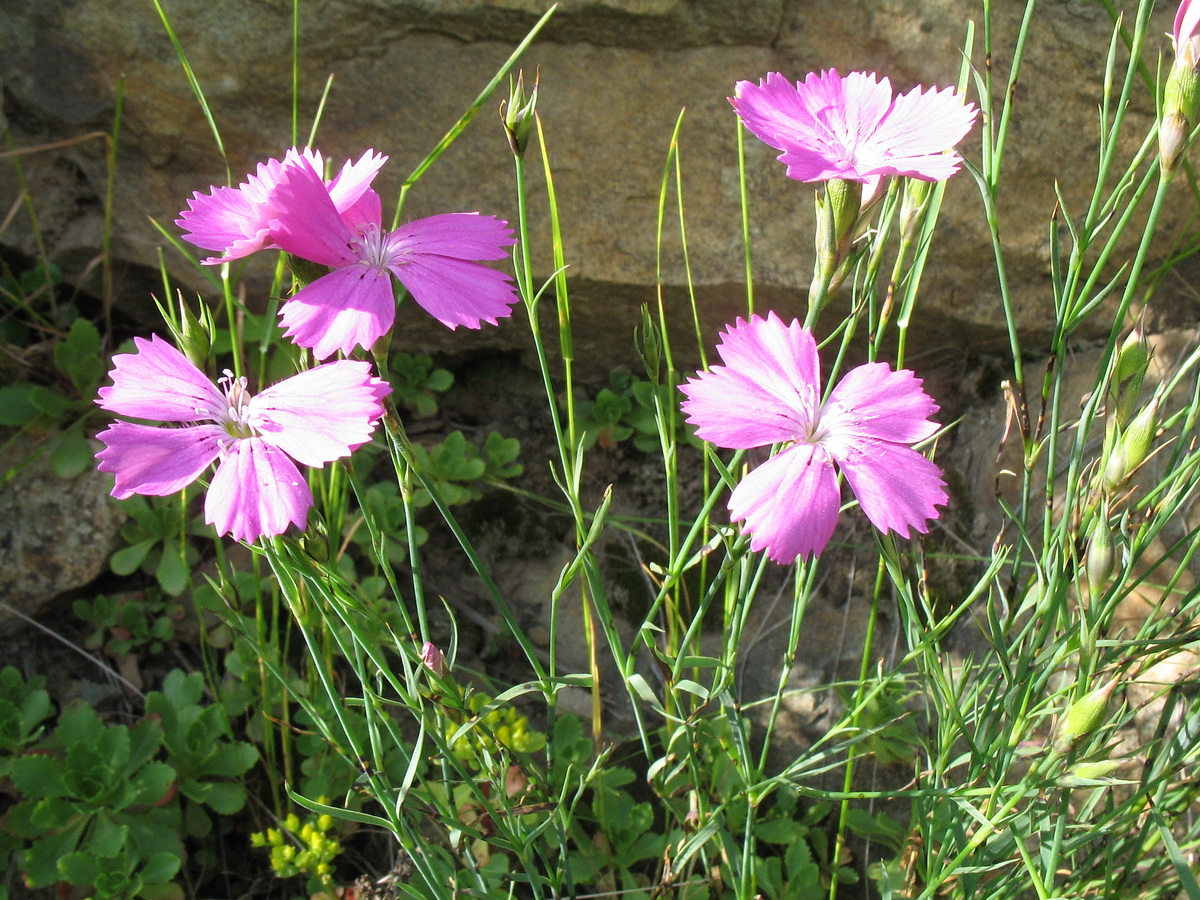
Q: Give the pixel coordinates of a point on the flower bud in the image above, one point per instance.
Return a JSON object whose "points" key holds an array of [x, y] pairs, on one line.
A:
{"points": [[1101, 554], [1129, 368], [649, 343], [193, 335], [912, 205], [1083, 717], [517, 114], [433, 659], [1084, 773], [1133, 446]]}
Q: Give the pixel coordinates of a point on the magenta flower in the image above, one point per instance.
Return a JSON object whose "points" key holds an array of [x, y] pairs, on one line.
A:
{"points": [[354, 305], [236, 221], [314, 417], [769, 392], [853, 128]]}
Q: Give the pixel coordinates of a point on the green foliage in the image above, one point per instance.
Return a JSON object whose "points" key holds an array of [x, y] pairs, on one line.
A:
{"points": [[459, 469], [129, 623], [24, 706], [416, 382], [631, 407], [155, 535], [106, 806]]}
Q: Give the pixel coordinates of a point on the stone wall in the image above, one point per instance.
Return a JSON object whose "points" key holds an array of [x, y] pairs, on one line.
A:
{"points": [[615, 75]]}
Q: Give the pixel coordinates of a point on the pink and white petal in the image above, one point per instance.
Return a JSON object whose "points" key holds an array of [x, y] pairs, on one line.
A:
{"points": [[348, 308], [731, 409], [897, 487], [921, 126], [459, 235], [306, 222], [789, 504], [352, 182], [220, 220], [159, 382], [157, 461], [1187, 18], [781, 358], [256, 491], [320, 414], [872, 400], [456, 291]]}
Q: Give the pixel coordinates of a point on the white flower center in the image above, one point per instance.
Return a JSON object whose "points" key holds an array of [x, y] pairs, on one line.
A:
{"points": [[237, 409], [371, 245]]}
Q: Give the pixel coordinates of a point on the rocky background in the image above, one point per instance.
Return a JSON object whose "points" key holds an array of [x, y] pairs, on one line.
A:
{"points": [[615, 76]]}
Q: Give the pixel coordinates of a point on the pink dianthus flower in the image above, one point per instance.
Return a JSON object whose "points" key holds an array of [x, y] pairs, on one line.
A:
{"points": [[314, 417], [769, 392], [436, 259], [853, 128], [236, 221]]}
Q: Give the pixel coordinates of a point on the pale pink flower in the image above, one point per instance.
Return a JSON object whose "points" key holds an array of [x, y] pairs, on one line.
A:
{"points": [[1187, 18], [769, 392], [314, 417], [236, 221], [354, 305], [853, 128]]}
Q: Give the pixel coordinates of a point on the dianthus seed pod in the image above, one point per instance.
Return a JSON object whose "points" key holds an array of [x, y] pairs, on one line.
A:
{"points": [[1081, 773], [1134, 446], [1083, 717]]}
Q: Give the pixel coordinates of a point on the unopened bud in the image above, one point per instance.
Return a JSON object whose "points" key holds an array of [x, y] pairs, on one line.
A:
{"points": [[1101, 554], [1081, 774], [194, 335], [517, 114], [1129, 369], [1083, 717], [912, 205], [1133, 446], [649, 345], [433, 659]]}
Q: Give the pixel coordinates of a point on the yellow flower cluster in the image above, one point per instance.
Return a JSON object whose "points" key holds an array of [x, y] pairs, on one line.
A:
{"points": [[301, 849]]}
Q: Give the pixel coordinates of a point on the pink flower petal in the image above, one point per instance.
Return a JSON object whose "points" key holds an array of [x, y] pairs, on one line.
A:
{"points": [[921, 126], [321, 414], [159, 382], [781, 358], [348, 308], [458, 235], [256, 491], [157, 461], [353, 181], [731, 409], [223, 221], [456, 291], [874, 401], [789, 503], [896, 486], [306, 222], [1187, 18]]}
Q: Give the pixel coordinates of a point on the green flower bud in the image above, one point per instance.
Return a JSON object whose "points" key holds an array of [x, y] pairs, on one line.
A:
{"points": [[912, 205], [1181, 101], [1133, 446], [517, 114], [1129, 368], [1084, 773], [1083, 717], [193, 335], [1101, 554], [649, 343]]}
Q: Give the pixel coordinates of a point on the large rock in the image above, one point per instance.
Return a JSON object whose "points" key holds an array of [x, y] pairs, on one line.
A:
{"points": [[615, 75], [55, 533]]}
